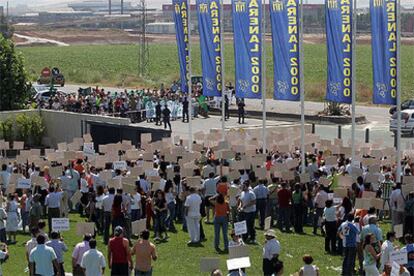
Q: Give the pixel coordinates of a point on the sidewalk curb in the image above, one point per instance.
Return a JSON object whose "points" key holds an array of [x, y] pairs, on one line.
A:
{"points": [[316, 119]]}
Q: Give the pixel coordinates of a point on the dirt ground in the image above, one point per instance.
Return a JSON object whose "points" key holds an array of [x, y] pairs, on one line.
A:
{"points": [[113, 36]]}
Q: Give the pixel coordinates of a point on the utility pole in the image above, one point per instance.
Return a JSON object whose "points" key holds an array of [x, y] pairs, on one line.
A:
{"points": [[143, 49]]}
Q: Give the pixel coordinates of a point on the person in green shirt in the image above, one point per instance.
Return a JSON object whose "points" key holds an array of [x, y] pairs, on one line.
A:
{"points": [[298, 203]]}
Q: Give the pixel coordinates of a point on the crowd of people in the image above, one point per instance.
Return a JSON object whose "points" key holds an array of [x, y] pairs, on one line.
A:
{"points": [[218, 199]]}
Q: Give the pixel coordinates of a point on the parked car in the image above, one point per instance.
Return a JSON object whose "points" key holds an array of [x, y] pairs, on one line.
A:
{"points": [[46, 94], [409, 104], [407, 122]]}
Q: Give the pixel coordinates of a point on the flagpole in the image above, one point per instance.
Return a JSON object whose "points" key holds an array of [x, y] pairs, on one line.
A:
{"points": [[223, 96], [190, 100], [302, 89], [264, 76], [399, 169], [354, 41]]}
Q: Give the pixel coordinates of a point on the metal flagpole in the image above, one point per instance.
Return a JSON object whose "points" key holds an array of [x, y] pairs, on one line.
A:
{"points": [[399, 169], [223, 96], [264, 76], [353, 64], [302, 89], [189, 95]]}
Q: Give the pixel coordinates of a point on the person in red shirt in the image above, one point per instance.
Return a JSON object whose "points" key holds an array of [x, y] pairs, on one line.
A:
{"points": [[119, 255], [223, 186], [285, 199]]}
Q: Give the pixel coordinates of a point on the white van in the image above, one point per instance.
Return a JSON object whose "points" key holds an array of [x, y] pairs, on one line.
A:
{"points": [[407, 122]]}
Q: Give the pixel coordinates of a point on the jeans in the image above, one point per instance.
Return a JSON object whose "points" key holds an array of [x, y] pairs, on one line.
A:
{"points": [[317, 215], [261, 210], [223, 223], [284, 218], [298, 218], [25, 220], [135, 214], [193, 226], [169, 221], [143, 273], [348, 264], [107, 224], [249, 218]]}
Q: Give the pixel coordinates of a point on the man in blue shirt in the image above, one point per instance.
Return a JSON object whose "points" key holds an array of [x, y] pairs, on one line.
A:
{"points": [[42, 259], [348, 233], [59, 247], [409, 241]]}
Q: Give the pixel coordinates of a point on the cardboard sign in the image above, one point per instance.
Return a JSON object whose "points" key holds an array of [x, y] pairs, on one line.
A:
{"points": [[18, 145], [60, 224], [194, 181], [126, 188], [398, 229], [138, 226], [340, 192], [83, 228], [88, 148], [240, 228], [324, 181], [23, 183], [120, 165], [366, 194], [39, 181], [362, 203], [345, 181], [408, 179], [114, 183], [267, 223], [56, 172], [238, 263], [146, 138], [238, 251], [399, 256], [304, 178], [209, 264]]}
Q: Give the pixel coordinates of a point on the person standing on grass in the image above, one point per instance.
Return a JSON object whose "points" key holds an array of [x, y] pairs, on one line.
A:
{"points": [[43, 260], [119, 255], [77, 255], [298, 201], [13, 218], [271, 252], [4, 253], [59, 247], [348, 233], [192, 215], [370, 256], [221, 214], [247, 211], [330, 219], [409, 246], [107, 202], [159, 207], [52, 202], [397, 202], [209, 190], [387, 248], [308, 269], [3, 217], [262, 193], [93, 261], [145, 252], [284, 199], [319, 204]]}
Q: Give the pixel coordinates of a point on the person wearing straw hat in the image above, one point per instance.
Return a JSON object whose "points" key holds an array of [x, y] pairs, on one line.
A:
{"points": [[271, 251]]}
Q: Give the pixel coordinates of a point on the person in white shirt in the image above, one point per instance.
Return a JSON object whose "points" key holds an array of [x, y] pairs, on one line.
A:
{"points": [[209, 189], [192, 215], [397, 202], [308, 269], [4, 253], [107, 209], [271, 252], [386, 249], [4, 176], [135, 206], [93, 261]]}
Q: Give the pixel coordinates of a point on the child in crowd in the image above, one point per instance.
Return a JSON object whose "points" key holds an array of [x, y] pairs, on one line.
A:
{"points": [[308, 269]]}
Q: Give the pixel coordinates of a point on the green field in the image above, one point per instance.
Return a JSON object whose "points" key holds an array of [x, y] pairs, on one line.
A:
{"points": [[176, 258], [117, 65]]}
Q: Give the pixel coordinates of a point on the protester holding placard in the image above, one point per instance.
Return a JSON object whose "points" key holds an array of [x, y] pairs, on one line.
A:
{"points": [[99, 209], [159, 207], [319, 204], [262, 193], [52, 201], [170, 197], [247, 211], [36, 211], [107, 203], [386, 249], [298, 201], [330, 223], [397, 203], [285, 207]]}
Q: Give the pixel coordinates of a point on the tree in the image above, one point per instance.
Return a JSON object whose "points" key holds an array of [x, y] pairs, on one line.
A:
{"points": [[14, 84]]}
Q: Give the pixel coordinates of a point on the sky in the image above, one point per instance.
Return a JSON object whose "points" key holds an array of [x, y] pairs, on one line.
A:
{"points": [[157, 3]]}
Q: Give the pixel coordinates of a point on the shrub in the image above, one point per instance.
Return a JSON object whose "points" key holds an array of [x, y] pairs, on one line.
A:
{"points": [[6, 129]]}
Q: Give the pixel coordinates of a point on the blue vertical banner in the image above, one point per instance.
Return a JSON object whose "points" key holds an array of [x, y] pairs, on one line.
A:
{"points": [[247, 28], [284, 17], [182, 31], [384, 51], [210, 45], [339, 44]]}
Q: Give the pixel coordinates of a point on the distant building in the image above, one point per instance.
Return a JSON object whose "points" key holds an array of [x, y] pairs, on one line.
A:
{"points": [[160, 28], [103, 6]]}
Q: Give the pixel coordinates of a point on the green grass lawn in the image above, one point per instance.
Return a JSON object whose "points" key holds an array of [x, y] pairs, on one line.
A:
{"points": [[117, 65], [176, 258]]}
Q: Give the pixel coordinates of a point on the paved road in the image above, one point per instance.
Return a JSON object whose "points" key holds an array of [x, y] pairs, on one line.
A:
{"points": [[378, 118]]}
